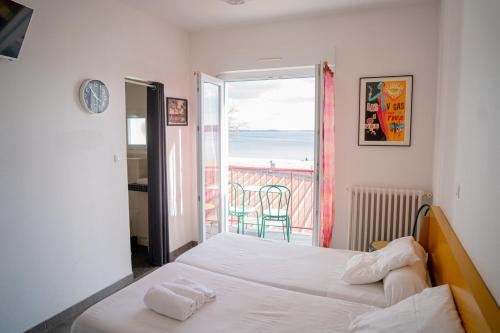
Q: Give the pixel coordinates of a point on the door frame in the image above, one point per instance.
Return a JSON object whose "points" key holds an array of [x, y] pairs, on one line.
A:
{"points": [[158, 223]]}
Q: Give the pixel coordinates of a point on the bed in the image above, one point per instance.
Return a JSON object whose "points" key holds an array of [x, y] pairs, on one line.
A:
{"points": [[247, 306], [316, 271], [305, 269], [448, 263], [241, 306]]}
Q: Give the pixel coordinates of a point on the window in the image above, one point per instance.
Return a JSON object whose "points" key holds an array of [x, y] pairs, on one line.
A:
{"points": [[136, 131]]}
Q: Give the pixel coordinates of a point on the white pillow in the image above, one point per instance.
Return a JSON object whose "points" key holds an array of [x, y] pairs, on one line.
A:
{"points": [[374, 266], [407, 281], [433, 310]]}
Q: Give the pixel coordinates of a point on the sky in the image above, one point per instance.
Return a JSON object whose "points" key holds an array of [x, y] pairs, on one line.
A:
{"points": [[282, 104]]}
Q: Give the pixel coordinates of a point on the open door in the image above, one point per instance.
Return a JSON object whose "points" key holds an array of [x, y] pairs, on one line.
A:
{"points": [[211, 192]]}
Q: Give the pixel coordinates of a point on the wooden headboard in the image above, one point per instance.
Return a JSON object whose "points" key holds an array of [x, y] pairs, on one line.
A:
{"points": [[449, 264]]}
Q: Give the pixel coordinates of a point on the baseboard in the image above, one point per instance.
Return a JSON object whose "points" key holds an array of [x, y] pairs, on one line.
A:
{"points": [[186, 247], [79, 307]]}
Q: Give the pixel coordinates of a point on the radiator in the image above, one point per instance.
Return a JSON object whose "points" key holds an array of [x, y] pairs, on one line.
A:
{"points": [[382, 214]]}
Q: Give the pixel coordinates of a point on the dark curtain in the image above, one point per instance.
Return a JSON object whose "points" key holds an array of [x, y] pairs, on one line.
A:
{"points": [[159, 249]]}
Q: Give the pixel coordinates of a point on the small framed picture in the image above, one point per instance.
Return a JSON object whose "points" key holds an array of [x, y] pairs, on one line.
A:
{"points": [[177, 111], [385, 110]]}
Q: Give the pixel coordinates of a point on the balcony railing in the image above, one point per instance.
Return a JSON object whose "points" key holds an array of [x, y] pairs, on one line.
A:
{"points": [[300, 182]]}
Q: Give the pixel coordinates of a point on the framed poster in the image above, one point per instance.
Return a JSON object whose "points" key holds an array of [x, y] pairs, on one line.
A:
{"points": [[385, 107], [177, 111]]}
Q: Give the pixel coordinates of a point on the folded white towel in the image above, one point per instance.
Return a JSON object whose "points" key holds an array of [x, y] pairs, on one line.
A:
{"points": [[197, 296], [207, 292], [168, 303]]}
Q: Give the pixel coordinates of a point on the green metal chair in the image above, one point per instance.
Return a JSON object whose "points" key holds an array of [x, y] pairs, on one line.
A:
{"points": [[274, 203], [238, 209]]}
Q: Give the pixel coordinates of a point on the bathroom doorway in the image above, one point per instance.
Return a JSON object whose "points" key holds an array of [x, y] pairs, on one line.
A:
{"points": [[137, 174]]}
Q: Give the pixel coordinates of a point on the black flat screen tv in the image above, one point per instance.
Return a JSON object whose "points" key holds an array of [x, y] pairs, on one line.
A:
{"points": [[14, 21]]}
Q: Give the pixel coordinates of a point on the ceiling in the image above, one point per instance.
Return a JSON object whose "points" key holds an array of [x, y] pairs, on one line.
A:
{"points": [[195, 15]]}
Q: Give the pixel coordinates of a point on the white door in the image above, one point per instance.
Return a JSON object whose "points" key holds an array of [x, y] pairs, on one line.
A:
{"points": [[211, 193]]}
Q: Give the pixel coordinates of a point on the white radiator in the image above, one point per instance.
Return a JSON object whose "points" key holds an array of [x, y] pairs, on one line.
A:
{"points": [[382, 214]]}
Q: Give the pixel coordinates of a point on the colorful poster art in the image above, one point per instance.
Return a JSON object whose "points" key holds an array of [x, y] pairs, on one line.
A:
{"points": [[385, 109]]}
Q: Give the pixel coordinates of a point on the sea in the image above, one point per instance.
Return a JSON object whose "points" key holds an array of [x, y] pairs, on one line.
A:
{"points": [[272, 148]]}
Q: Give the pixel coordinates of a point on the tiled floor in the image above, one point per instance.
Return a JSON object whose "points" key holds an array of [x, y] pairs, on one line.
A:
{"points": [[140, 264]]}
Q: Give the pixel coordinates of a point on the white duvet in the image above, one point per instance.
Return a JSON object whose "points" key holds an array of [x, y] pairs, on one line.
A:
{"points": [[306, 269], [241, 306]]}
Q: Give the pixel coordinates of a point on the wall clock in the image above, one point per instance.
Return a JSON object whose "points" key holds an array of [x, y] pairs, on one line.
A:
{"points": [[94, 96]]}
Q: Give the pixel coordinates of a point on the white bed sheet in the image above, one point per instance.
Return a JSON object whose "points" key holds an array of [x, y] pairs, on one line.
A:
{"points": [[306, 269], [241, 306]]}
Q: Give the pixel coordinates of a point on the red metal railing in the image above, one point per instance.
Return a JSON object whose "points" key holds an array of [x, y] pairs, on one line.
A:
{"points": [[299, 181]]}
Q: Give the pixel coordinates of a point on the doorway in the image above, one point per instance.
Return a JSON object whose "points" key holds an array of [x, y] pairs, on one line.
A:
{"points": [[137, 175], [257, 129], [271, 142], [147, 175]]}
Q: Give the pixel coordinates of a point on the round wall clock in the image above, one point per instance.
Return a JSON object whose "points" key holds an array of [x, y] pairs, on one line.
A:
{"points": [[94, 96]]}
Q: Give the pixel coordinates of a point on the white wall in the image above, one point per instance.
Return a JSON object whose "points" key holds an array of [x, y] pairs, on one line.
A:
{"points": [[386, 41], [64, 231], [468, 146]]}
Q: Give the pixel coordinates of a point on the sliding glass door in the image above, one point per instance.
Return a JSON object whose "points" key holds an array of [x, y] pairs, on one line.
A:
{"points": [[211, 193]]}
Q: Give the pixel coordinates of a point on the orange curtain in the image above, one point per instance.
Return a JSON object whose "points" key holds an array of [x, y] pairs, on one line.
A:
{"points": [[328, 160]]}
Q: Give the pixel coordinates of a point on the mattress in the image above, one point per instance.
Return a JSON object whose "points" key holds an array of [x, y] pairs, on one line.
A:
{"points": [[305, 269], [241, 306]]}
